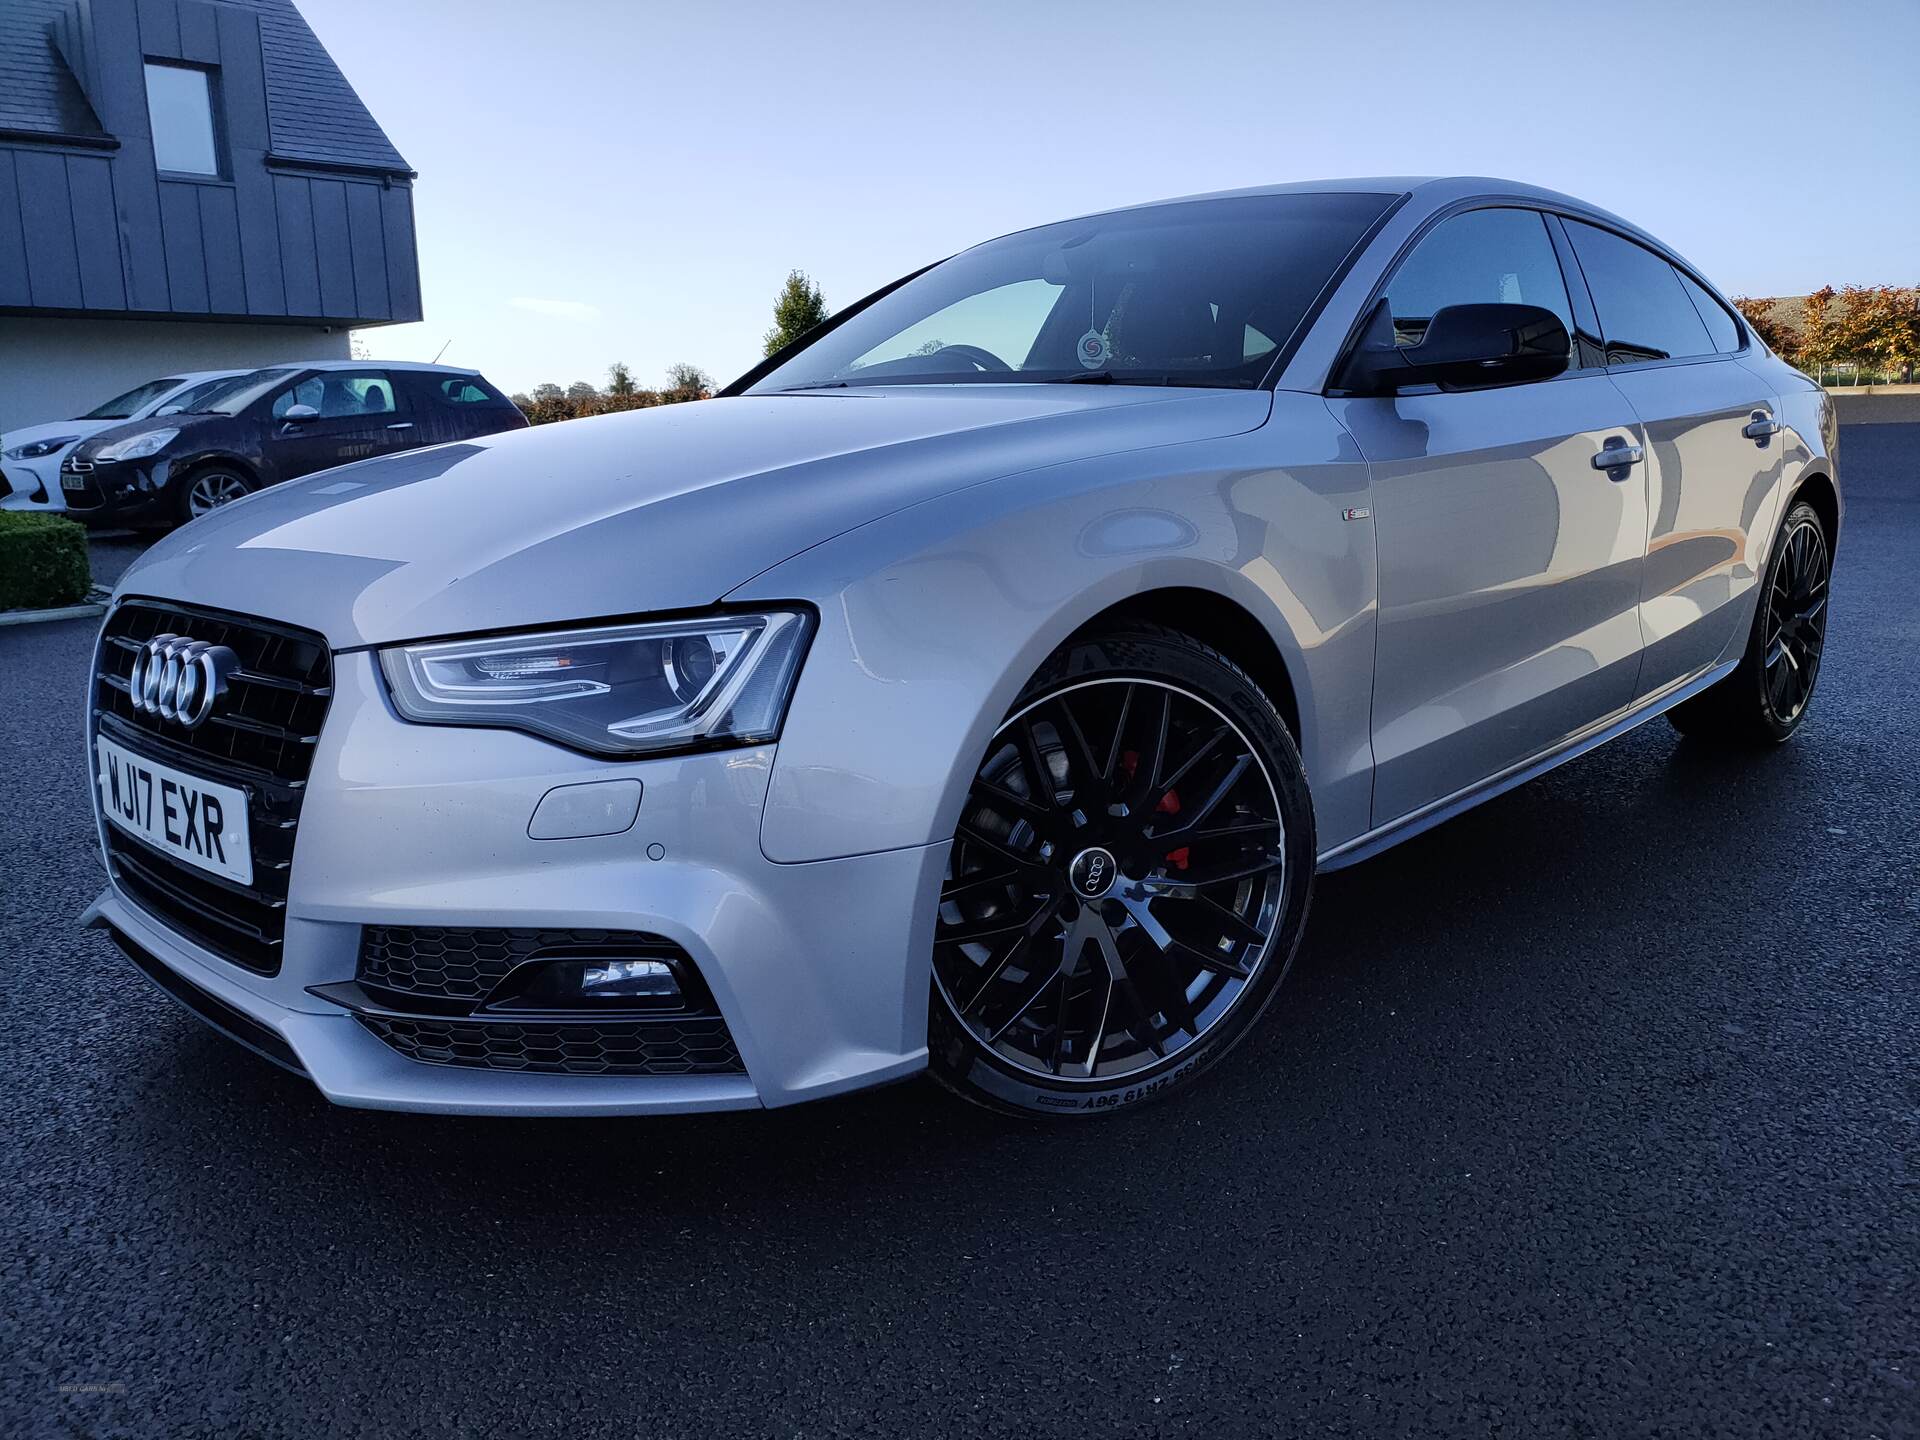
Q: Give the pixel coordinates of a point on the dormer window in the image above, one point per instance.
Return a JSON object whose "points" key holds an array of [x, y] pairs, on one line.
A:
{"points": [[180, 112]]}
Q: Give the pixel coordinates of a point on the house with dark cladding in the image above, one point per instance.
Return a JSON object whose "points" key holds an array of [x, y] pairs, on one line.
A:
{"points": [[184, 185]]}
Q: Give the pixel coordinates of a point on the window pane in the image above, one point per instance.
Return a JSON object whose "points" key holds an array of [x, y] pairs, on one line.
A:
{"points": [[464, 392], [1193, 293], [1643, 308], [1720, 325], [124, 407], [1502, 257], [180, 110]]}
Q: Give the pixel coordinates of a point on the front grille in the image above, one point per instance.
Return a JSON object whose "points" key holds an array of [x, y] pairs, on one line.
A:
{"points": [[464, 964], [682, 1046], [260, 739]]}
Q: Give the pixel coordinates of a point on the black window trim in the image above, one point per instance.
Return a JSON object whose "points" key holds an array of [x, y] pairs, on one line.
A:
{"points": [[1661, 252], [1547, 214]]}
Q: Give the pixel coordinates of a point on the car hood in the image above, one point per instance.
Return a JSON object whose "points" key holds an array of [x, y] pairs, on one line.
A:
{"points": [[27, 434], [118, 430], [659, 509]]}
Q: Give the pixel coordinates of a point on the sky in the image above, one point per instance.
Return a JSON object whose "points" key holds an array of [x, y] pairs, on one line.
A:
{"points": [[618, 180]]}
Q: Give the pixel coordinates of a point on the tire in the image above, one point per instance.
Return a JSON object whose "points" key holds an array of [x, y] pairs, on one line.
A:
{"points": [[1109, 933], [209, 488], [1764, 700]]}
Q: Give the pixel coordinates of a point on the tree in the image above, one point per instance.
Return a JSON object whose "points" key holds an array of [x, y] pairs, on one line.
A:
{"points": [[689, 381], [797, 309], [1764, 320], [1819, 334], [620, 379], [580, 390], [521, 401]]}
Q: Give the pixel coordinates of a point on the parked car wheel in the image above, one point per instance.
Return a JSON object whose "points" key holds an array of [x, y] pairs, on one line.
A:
{"points": [[1765, 699], [208, 489], [1128, 883]]}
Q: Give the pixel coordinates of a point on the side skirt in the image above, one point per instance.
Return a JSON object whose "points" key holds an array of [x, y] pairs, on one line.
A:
{"points": [[1385, 837]]}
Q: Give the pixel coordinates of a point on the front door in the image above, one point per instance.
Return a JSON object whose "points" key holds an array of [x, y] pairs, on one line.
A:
{"points": [[1713, 466], [360, 415], [1510, 567]]}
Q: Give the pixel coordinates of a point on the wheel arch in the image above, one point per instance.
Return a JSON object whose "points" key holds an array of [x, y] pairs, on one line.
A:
{"points": [[1816, 487], [1226, 625], [188, 469]]}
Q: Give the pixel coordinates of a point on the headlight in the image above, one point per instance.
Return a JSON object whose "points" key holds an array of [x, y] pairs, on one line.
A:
{"points": [[627, 690], [39, 449], [136, 447]]}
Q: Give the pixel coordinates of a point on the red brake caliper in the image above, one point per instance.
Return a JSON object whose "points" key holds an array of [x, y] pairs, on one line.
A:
{"points": [[1169, 805]]}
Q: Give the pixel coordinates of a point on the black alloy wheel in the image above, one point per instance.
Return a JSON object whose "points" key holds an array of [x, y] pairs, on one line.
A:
{"points": [[1127, 882], [1766, 697]]}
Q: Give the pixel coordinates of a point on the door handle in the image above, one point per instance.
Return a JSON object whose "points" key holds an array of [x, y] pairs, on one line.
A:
{"points": [[1617, 454], [402, 425], [1761, 426]]}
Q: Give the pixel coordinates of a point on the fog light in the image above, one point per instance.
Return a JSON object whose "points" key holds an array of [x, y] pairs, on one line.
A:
{"points": [[593, 984], [629, 980]]}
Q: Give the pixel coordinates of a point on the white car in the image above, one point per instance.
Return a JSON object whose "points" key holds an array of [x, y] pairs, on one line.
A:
{"points": [[30, 456]]}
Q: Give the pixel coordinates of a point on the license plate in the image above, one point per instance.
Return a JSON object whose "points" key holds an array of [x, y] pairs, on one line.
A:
{"points": [[72, 482], [195, 821]]}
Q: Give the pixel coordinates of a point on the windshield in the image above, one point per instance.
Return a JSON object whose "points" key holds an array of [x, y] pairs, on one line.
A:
{"points": [[231, 396], [1203, 292], [125, 407], [191, 398]]}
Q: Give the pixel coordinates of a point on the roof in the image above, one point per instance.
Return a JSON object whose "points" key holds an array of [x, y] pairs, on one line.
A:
{"points": [[313, 113], [411, 365]]}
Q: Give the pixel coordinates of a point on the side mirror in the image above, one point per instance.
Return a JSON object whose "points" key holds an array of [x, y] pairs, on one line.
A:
{"points": [[1464, 347], [300, 414], [166, 410]]}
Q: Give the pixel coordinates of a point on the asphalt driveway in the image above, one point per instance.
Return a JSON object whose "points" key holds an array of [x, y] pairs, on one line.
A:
{"points": [[1595, 1112]]}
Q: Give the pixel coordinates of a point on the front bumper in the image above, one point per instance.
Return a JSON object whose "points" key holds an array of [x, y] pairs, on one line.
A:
{"points": [[820, 970], [125, 492], [34, 484]]}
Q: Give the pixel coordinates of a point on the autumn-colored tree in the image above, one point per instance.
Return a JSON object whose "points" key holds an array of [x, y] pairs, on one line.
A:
{"points": [[1889, 329], [1819, 335], [1762, 317], [797, 309]]}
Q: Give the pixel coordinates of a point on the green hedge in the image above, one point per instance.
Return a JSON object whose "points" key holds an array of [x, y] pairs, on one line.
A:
{"points": [[43, 561]]}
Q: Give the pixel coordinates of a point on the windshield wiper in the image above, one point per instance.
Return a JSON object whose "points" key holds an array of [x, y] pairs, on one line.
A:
{"points": [[820, 385]]}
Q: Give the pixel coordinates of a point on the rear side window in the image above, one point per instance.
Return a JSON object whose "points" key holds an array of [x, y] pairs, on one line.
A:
{"points": [[1644, 309], [1720, 325], [1502, 257], [465, 390]]}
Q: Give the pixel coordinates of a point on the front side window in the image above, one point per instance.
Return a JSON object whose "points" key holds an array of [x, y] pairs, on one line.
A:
{"points": [[1197, 293], [339, 395], [125, 407], [1644, 309], [180, 113], [1501, 257]]}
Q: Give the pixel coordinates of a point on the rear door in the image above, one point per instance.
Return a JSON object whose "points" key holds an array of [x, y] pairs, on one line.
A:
{"points": [[1509, 565], [1713, 464], [362, 414]]}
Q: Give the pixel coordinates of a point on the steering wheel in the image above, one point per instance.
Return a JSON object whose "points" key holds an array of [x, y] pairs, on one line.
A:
{"points": [[984, 359]]}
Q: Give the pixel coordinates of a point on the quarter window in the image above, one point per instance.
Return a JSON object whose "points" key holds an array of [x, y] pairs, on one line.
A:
{"points": [[1721, 326], [464, 390], [1644, 309], [180, 114], [1501, 256]]}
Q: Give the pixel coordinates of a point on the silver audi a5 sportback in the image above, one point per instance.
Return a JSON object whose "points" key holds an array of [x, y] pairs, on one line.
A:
{"points": [[978, 684]]}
